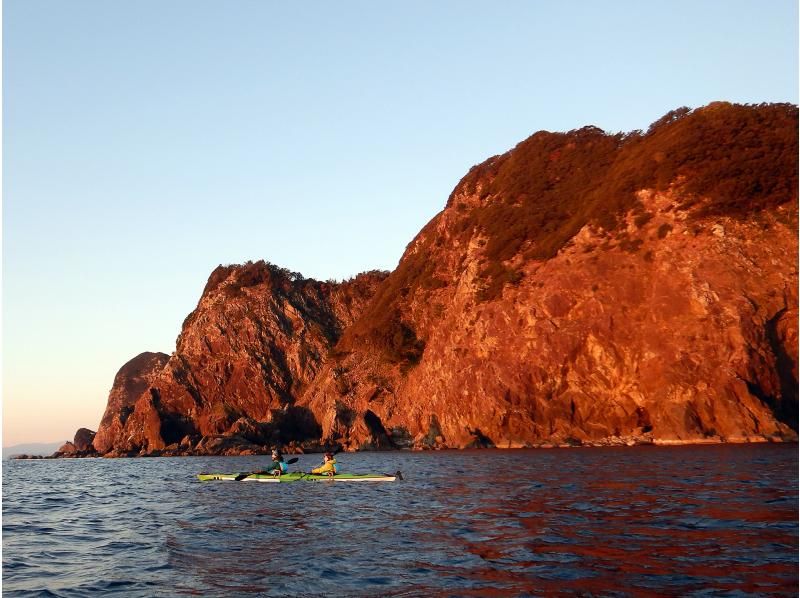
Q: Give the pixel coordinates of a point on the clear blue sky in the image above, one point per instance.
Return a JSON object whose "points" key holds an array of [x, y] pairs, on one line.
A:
{"points": [[146, 142]]}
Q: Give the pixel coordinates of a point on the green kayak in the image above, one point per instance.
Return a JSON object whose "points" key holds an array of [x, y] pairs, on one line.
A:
{"points": [[298, 477]]}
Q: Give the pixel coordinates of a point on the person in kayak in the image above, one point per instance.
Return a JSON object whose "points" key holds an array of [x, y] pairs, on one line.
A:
{"points": [[328, 466], [278, 465]]}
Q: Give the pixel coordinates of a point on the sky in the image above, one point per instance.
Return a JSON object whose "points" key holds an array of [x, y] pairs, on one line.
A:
{"points": [[146, 142]]}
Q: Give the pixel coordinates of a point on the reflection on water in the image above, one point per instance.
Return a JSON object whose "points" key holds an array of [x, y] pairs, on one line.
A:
{"points": [[706, 521]]}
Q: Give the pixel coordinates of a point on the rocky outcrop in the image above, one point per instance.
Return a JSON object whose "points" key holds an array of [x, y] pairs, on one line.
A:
{"points": [[591, 289], [133, 379], [81, 446], [581, 289], [660, 332], [257, 338], [84, 439]]}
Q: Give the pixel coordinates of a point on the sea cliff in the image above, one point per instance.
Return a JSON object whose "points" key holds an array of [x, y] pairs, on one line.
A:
{"points": [[583, 288]]}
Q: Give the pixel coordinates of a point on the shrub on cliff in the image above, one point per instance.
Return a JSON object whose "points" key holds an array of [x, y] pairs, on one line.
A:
{"points": [[736, 160], [731, 159], [250, 274]]}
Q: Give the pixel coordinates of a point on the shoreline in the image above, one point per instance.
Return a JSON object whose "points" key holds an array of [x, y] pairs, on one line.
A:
{"points": [[575, 444]]}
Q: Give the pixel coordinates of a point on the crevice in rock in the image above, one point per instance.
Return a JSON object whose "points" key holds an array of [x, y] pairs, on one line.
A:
{"points": [[296, 424], [175, 427], [124, 413], [480, 440], [434, 432], [377, 430], [785, 408]]}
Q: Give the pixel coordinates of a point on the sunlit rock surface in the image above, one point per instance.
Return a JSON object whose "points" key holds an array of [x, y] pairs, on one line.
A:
{"points": [[582, 289]]}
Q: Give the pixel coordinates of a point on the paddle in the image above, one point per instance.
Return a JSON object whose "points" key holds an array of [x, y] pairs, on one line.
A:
{"points": [[242, 476]]}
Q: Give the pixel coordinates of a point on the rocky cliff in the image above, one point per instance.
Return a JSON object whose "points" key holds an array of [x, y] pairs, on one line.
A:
{"points": [[258, 337], [583, 288]]}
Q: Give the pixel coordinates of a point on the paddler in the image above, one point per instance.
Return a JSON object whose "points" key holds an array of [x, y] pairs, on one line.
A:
{"points": [[278, 466], [328, 466]]}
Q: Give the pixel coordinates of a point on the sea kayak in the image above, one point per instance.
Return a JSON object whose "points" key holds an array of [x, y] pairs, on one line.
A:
{"points": [[297, 477]]}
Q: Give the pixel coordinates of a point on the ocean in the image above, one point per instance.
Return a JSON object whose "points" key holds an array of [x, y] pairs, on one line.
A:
{"points": [[716, 520]]}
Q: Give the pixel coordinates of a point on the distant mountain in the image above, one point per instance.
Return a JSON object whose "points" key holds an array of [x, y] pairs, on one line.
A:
{"points": [[33, 448], [583, 288]]}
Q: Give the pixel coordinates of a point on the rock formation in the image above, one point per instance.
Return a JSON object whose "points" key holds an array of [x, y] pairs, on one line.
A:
{"points": [[582, 288], [257, 338], [131, 382], [81, 446]]}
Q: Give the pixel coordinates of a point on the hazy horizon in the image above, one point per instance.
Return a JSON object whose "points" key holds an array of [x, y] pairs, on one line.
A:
{"points": [[146, 143]]}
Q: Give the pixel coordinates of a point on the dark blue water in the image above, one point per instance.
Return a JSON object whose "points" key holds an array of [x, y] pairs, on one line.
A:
{"points": [[700, 521]]}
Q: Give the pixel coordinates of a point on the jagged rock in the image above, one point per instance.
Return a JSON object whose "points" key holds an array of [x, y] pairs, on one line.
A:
{"points": [[67, 448], [222, 445], [600, 325], [258, 336], [83, 440], [82, 446], [582, 289], [260, 433], [133, 379], [188, 442]]}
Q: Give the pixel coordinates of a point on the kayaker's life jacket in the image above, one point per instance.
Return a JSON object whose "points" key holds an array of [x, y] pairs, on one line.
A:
{"points": [[279, 465], [328, 467]]}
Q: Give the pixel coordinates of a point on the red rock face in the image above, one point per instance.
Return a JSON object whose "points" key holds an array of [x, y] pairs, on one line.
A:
{"points": [[581, 289], [84, 439], [676, 341], [258, 337], [81, 446], [131, 381]]}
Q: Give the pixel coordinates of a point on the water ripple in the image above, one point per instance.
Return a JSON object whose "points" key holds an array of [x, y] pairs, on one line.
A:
{"points": [[695, 521]]}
